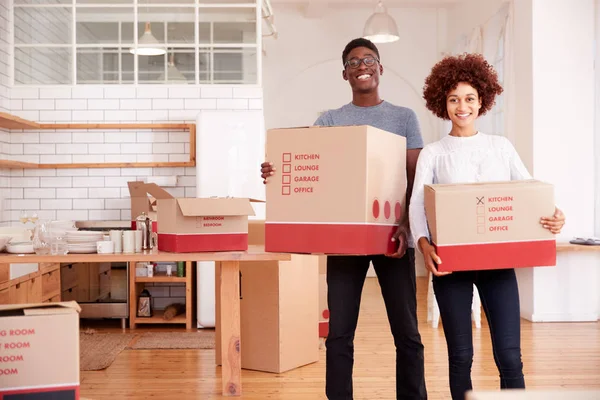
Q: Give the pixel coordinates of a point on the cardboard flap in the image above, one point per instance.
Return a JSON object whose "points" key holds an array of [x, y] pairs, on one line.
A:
{"points": [[136, 189], [42, 308], [157, 192], [223, 207]]}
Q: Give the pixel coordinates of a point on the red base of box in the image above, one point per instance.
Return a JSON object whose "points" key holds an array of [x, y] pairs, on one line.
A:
{"points": [[359, 239], [198, 243], [485, 256], [68, 392], [323, 329]]}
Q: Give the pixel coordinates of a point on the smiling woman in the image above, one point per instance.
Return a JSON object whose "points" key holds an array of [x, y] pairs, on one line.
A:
{"points": [[461, 89]]}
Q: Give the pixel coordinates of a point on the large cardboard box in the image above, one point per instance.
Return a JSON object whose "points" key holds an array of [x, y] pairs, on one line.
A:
{"points": [[33, 337], [336, 190], [199, 224], [491, 225], [279, 311]]}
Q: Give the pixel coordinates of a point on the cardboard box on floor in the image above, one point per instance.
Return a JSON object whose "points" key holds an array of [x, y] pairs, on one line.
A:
{"points": [[32, 338], [336, 190], [279, 310], [491, 225], [198, 224]]}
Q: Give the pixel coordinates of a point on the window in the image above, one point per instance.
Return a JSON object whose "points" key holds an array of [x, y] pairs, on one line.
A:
{"points": [[136, 42]]}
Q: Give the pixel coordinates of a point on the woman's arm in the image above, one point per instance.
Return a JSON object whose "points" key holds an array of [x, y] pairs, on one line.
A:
{"points": [[423, 176]]}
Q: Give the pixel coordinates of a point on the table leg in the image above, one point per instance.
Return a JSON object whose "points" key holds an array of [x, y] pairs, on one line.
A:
{"points": [[231, 359], [132, 295], [188, 294]]}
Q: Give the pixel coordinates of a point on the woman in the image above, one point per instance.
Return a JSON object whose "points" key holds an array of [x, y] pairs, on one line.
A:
{"points": [[460, 89]]}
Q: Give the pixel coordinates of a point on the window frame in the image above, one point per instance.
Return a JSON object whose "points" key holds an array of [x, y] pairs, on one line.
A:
{"points": [[199, 48]]}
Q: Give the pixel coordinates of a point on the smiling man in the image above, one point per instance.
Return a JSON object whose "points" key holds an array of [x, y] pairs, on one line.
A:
{"points": [[395, 272]]}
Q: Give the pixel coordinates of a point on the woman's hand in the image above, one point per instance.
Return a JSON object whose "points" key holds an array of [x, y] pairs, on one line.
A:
{"points": [[554, 223], [266, 170], [430, 257]]}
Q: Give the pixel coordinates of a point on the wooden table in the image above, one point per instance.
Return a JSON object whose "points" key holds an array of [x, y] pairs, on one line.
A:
{"points": [[229, 330]]}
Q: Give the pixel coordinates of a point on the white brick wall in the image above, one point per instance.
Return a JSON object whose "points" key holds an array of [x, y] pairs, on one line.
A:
{"points": [[5, 106], [4, 58], [101, 193]]}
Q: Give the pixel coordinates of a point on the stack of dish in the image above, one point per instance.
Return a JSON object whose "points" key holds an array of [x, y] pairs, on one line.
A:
{"points": [[83, 242]]}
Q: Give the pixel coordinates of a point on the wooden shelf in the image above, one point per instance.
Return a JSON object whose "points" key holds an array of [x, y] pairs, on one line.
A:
{"points": [[118, 165], [12, 122], [9, 164], [8, 121], [160, 279], [136, 287], [158, 319]]}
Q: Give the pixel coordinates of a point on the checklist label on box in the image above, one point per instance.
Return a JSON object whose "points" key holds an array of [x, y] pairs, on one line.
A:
{"points": [[480, 220], [287, 157], [286, 179], [481, 229], [287, 168], [286, 190]]}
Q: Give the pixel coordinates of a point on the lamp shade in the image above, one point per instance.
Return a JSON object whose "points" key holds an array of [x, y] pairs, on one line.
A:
{"points": [[381, 27], [151, 46], [173, 73]]}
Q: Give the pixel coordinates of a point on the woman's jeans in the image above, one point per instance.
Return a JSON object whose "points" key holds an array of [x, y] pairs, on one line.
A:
{"points": [[500, 299]]}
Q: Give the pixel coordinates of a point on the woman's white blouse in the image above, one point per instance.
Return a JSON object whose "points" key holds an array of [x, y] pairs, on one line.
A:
{"points": [[477, 158]]}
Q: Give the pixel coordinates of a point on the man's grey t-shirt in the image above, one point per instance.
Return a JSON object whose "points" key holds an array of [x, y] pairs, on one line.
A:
{"points": [[395, 119]]}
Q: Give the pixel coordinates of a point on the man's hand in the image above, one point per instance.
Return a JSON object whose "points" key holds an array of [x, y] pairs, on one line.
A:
{"points": [[401, 238], [266, 170]]}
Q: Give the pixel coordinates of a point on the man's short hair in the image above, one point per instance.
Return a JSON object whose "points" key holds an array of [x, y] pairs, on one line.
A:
{"points": [[359, 42]]}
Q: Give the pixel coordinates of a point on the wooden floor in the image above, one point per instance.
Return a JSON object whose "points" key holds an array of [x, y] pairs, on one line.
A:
{"points": [[555, 355]]}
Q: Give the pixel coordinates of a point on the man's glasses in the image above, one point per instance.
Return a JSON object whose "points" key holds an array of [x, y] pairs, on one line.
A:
{"points": [[355, 62]]}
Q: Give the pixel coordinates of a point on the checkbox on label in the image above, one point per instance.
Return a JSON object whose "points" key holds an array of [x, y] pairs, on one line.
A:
{"points": [[480, 219], [286, 190], [480, 210], [287, 157], [286, 179], [481, 229], [287, 168]]}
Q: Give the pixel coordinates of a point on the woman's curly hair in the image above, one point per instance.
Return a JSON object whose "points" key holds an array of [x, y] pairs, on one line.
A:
{"points": [[449, 72]]}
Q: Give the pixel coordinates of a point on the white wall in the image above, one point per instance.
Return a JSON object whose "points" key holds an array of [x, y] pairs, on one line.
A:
{"points": [[303, 67], [564, 144], [466, 15], [4, 104]]}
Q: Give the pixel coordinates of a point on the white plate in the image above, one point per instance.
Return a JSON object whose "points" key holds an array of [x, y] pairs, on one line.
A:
{"points": [[82, 251], [20, 248], [85, 233]]}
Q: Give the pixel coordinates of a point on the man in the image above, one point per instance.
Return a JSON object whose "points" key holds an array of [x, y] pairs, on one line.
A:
{"points": [[395, 272]]}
